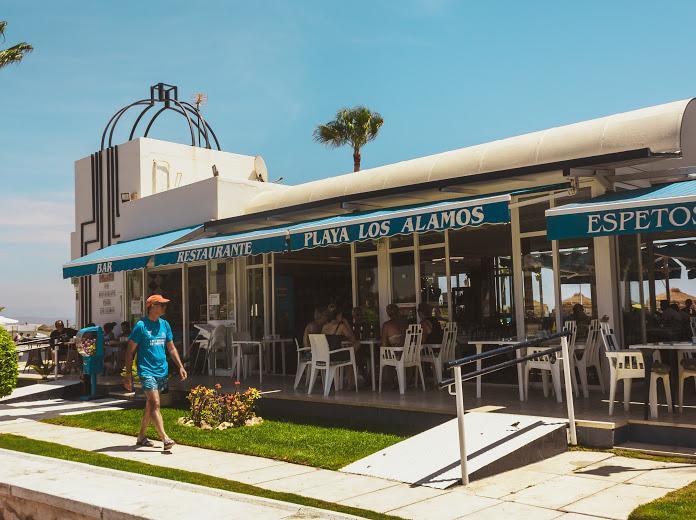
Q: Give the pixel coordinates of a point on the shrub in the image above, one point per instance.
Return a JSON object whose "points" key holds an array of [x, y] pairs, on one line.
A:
{"points": [[212, 408], [8, 363]]}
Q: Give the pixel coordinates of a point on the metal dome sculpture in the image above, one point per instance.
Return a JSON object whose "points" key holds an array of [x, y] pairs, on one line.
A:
{"points": [[168, 95]]}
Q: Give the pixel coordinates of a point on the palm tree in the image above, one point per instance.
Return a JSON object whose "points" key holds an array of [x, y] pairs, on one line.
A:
{"points": [[354, 126], [15, 53]]}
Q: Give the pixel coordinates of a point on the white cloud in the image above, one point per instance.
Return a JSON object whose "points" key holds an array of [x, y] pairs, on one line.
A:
{"points": [[40, 219]]}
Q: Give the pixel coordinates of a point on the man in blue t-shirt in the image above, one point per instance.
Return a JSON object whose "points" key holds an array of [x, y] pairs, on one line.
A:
{"points": [[152, 337]]}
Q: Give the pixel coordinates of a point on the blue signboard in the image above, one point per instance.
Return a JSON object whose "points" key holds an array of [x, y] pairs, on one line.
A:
{"points": [[217, 248], [107, 266], [436, 217], [667, 207]]}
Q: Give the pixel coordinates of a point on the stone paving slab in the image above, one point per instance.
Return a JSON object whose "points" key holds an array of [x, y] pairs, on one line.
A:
{"points": [[615, 502], [104, 493]]}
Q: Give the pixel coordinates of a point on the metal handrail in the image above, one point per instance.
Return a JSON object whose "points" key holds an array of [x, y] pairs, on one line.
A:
{"points": [[500, 366], [506, 349], [457, 380]]}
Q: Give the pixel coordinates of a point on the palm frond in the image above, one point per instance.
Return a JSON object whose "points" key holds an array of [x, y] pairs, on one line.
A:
{"points": [[3, 24], [14, 54]]}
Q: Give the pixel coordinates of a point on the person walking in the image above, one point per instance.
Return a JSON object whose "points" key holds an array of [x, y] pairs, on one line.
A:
{"points": [[152, 337]]}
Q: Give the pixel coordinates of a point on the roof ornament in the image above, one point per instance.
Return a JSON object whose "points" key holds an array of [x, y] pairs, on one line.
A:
{"points": [[167, 98]]}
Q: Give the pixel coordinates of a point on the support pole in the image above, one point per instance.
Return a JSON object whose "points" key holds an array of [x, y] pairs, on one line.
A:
{"points": [[567, 367], [459, 392]]}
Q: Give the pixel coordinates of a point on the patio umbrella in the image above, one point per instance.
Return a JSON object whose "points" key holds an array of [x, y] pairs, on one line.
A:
{"points": [[7, 321]]}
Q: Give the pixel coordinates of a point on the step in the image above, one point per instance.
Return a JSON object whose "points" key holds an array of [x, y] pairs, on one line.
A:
{"points": [[495, 442], [660, 450]]}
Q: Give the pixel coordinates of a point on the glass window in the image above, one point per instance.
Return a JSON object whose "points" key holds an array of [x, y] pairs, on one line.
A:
{"points": [[368, 294], [433, 282], [532, 217], [403, 281], [197, 309], [221, 290], [255, 302], [401, 241], [631, 294], [538, 285], [254, 260], [578, 288], [134, 296], [433, 237], [481, 282], [366, 246]]}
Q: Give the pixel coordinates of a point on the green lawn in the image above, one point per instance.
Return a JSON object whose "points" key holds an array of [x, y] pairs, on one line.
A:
{"points": [[59, 451], [318, 446]]}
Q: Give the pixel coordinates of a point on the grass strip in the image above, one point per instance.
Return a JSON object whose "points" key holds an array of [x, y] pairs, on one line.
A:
{"points": [[308, 444], [675, 505], [60, 451]]}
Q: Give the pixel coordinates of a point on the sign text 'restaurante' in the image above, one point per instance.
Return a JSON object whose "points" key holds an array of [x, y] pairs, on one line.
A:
{"points": [[212, 252], [456, 218]]}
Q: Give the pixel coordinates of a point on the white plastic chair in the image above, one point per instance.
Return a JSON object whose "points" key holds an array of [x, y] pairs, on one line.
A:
{"points": [[589, 357], [302, 361], [687, 369], [572, 327], [547, 364], [404, 357], [626, 365], [438, 356], [218, 344], [321, 360]]}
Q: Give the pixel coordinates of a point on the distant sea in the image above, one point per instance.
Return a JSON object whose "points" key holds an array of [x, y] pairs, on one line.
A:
{"points": [[43, 320]]}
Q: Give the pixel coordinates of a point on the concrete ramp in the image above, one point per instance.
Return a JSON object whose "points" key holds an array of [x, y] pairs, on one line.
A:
{"points": [[40, 390], [495, 442]]}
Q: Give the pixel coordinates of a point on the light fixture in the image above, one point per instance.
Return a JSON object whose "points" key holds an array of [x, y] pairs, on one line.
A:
{"points": [[125, 197], [216, 173]]}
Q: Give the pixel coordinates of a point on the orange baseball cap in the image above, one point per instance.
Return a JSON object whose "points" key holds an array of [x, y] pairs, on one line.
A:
{"points": [[155, 298]]}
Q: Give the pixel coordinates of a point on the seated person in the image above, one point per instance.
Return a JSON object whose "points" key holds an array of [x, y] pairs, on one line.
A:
{"points": [[338, 330], [60, 336], [432, 330], [394, 329], [125, 330], [315, 326]]}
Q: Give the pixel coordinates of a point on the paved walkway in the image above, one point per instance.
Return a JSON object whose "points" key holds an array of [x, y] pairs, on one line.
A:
{"points": [[573, 485], [36, 487]]}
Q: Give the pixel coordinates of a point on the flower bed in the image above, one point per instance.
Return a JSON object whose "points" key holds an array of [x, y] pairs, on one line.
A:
{"points": [[213, 409]]}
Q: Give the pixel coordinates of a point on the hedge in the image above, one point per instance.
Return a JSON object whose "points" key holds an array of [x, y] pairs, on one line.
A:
{"points": [[8, 363]]}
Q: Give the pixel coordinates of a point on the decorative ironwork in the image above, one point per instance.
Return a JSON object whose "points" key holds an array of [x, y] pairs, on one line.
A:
{"points": [[168, 96]]}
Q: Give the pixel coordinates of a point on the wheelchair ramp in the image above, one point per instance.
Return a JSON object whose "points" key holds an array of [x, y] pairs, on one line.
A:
{"points": [[495, 442]]}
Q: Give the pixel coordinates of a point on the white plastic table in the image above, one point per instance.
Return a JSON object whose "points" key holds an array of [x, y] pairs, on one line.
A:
{"points": [[498, 343], [260, 344]]}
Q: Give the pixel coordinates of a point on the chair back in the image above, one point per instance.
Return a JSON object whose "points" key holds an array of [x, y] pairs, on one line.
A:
{"points": [[218, 340], [412, 344], [592, 341], [272, 336], [572, 327], [320, 350], [609, 340], [449, 341]]}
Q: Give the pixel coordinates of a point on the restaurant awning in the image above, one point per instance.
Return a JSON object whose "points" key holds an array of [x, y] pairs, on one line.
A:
{"points": [[659, 208], [269, 240], [343, 229], [124, 256], [452, 214]]}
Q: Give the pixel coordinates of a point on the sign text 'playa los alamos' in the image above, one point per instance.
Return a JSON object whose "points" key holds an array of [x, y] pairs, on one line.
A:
{"points": [[492, 213]]}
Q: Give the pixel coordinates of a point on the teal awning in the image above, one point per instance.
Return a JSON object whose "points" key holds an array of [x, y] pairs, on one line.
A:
{"points": [[659, 208], [451, 214], [271, 240], [124, 256]]}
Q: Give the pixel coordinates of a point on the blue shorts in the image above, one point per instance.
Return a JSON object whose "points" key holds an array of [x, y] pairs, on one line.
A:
{"points": [[152, 383]]}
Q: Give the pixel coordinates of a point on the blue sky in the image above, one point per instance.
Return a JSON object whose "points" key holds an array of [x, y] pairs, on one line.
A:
{"points": [[443, 74]]}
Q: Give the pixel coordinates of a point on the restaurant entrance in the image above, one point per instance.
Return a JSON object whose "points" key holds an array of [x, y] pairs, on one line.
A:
{"points": [[168, 283]]}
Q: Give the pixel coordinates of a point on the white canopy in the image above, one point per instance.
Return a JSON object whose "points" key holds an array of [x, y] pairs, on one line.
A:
{"points": [[7, 321]]}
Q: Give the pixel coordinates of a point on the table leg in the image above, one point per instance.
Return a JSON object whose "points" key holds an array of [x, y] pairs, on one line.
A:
{"points": [[648, 361], [372, 365], [55, 362], [520, 374], [273, 355], [282, 356], [479, 349], [260, 363]]}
